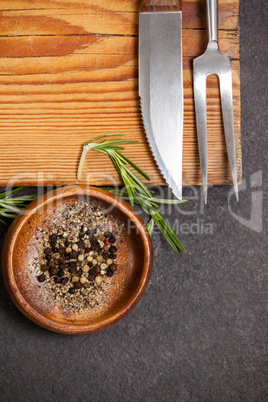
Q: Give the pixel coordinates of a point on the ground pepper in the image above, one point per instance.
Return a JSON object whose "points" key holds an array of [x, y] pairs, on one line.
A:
{"points": [[77, 257]]}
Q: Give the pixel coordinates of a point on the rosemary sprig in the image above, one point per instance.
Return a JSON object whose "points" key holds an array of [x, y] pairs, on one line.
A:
{"points": [[11, 206], [135, 190]]}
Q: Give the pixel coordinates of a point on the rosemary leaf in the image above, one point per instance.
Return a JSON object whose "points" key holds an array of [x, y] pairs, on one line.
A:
{"points": [[127, 160], [150, 226], [135, 190], [11, 206], [103, 136]]}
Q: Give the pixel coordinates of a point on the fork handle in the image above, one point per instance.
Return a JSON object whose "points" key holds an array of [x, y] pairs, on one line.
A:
{"points": [[160, 5], [212, 19]]}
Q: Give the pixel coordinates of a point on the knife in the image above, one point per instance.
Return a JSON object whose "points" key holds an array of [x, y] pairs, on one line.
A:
{"points": [[161, 85]]}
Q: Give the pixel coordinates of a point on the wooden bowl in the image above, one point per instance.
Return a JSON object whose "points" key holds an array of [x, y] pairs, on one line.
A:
{"points": [[134, 260]]}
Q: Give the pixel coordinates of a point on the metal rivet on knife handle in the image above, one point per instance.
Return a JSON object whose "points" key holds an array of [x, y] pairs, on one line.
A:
{"points": [[214, 62], [160, 5]]}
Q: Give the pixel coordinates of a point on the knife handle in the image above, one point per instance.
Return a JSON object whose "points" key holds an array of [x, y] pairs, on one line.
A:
{"points": [[160, 5]]}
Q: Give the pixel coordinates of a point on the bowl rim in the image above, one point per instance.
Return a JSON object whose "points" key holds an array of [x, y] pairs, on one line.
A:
{"points": [[14, 231]]}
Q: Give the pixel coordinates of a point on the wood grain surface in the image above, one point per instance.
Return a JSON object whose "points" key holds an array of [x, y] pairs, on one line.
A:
{"points": [[160, 5], [69, 72]]}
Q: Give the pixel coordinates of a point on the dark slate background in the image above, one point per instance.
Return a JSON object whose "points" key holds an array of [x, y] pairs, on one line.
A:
{"points": [[200, 331]]}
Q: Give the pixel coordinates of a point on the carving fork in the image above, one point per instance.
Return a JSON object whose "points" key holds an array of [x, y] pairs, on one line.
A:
{"points": [[214, 62]]}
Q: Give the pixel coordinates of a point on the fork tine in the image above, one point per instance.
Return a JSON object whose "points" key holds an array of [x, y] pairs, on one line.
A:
{"points": [[201, 124], [228, 121]]}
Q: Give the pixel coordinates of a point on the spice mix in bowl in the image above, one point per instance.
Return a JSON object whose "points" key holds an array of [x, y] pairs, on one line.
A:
{"points": [[77, 260]]}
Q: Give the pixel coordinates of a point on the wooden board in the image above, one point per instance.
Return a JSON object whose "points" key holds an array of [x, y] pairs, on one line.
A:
{"points": [[69, 72]]}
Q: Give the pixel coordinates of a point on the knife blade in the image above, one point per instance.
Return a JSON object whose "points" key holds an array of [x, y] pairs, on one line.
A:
{"points": [[161, 85]]}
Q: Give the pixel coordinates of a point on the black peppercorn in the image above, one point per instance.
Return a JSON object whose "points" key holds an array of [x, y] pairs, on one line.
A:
{"points": [[62, 259], [112, 256], [64, 281], [111, 240], [48, 257], [51, 263], [73, 270], [91, 277], [57, 280], [107, 234], [113, 267], [105, 255], [48, 251], [62, 266], [61, 251], [72, 291], [55, 249], [44, 268], [80, 272], [78, 285], [53, 238], [87, 250], [109, 273], [41, 278], [61, 273], [53, 271], [72, 264], [73, 254], [113, 249], [81, 244]]}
